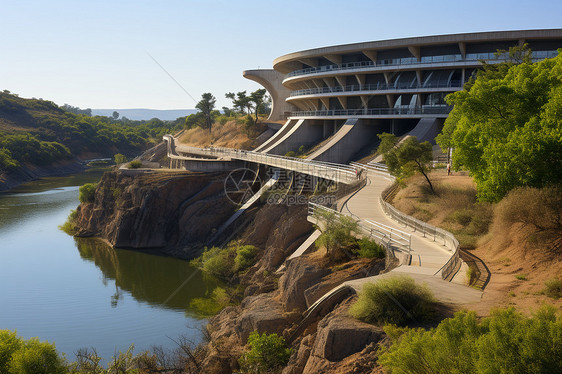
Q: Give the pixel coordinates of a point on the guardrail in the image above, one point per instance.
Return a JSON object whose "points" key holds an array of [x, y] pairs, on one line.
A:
{"points": [[428, 231], [327, 170], [376, 87], [489, 57], [387, 236], [427, 109]]}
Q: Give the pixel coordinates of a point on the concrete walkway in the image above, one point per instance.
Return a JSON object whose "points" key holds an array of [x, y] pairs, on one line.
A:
{"points": [[428, 257]]}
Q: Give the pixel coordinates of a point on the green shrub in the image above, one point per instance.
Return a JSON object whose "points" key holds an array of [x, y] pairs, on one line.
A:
{"points": [[553, 288], [396, 300], [119, 159], [267, 354], [290, 154], [87, 193], [135, 164], [245, 257], [521, 277], [18, 356], [370, 249], [506, 342], [69, 226]]}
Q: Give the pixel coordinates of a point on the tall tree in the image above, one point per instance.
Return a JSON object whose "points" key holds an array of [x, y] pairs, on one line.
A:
{"points": [[206, 106], [506, 127], [257, 98]]}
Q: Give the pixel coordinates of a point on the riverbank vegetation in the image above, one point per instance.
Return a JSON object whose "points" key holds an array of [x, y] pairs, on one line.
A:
{"points": [[39, 132]]}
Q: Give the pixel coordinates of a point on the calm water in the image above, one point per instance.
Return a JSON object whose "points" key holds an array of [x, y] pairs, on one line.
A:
{"points": [[81, 292]]}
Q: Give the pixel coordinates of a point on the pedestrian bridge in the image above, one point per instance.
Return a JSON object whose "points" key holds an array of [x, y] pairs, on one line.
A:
{"points": [[335, 172]]}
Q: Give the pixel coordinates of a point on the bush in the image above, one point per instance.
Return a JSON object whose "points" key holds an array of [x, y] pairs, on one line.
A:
{"points": [[245, 257], [290, 154], [69, 226], [267, 354], [396, 300], [19, 356], [87, 193], [135, 164], [370, 249], [506, 342], [119, 159], [553, 288]]}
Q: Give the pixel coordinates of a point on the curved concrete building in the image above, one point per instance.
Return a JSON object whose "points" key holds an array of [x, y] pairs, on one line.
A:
{"points": [[389, 85]]}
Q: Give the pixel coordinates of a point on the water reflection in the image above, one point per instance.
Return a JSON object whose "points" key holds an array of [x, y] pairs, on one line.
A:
{"points": [[156, 280]]}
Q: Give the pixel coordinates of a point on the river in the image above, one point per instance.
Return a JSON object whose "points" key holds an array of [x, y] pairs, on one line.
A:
{"points": [[82, 293]]}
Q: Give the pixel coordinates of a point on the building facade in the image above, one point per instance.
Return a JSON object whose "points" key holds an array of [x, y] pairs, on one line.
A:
{"points": [[388, 85]]}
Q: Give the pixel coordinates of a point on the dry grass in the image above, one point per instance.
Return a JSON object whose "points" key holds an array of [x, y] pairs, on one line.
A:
{"points": [[231, 134]]}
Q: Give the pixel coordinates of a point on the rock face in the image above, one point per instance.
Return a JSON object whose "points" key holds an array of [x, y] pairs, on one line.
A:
{"points": [[298, 277], [155, 210]]}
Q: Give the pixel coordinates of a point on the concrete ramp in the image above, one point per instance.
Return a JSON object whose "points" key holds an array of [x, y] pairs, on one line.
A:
{"points": [[278, 135], [426, 130], [344, 144], [301, 133]]}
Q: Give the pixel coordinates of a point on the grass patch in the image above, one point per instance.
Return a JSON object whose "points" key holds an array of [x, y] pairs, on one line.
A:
{"points": [[397, 300], [553, 288], [521, 277]]}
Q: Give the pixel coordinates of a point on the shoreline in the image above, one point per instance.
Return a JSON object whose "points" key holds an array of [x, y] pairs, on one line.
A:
{"points": [[29, 173]]}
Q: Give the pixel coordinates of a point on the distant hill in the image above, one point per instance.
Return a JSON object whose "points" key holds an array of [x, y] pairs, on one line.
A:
{"points": [[145, 114]]}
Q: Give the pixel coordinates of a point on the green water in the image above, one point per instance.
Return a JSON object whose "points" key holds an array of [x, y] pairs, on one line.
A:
{"points": [[81, 292]]}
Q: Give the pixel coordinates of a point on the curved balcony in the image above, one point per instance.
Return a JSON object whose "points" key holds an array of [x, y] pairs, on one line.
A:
{"points": [[456, 85], [440, 111]]}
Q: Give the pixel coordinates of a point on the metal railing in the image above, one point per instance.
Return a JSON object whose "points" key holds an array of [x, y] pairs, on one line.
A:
{"points": [[336, 172], [427, 109], [490, 57], [376, 87], [428, 231], [384, 235]]}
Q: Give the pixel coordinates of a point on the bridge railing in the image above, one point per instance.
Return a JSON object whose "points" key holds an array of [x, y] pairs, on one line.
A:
{"points": [[336, 172]]}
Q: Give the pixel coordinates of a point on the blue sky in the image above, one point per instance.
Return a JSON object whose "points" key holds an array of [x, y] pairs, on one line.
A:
{"points": [[94, 53]]}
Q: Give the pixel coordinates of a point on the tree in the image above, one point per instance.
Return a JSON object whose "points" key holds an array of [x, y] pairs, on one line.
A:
{"points": [[258, 97], [336, 233], [407, 158], [240, 101], [115, 115], [120, 159], [505, 126], [206, 106]]}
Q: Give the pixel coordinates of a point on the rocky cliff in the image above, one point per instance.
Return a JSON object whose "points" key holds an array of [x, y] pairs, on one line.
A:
{"points": [[176, 212]]}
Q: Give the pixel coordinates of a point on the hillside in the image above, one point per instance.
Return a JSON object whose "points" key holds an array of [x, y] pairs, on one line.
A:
{"points": [[37, 136], [141, 114]]}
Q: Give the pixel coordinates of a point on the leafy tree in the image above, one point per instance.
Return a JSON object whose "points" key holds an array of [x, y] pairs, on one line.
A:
{"points": [[115, 115], [267, 354], [336, 233], [240, 101], [258, 98], [6, 161], [505, 126], [206, 106], [407, 158]]}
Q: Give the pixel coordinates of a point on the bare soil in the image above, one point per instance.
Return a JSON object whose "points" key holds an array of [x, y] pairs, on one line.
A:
{"points": [[518, 267]]}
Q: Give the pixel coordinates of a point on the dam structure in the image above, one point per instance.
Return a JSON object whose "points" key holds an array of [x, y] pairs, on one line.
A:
{"points": [[352, 92]]}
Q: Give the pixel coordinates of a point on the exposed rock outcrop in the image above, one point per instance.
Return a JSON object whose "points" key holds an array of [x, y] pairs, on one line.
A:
{"points": [[155, 210]]}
